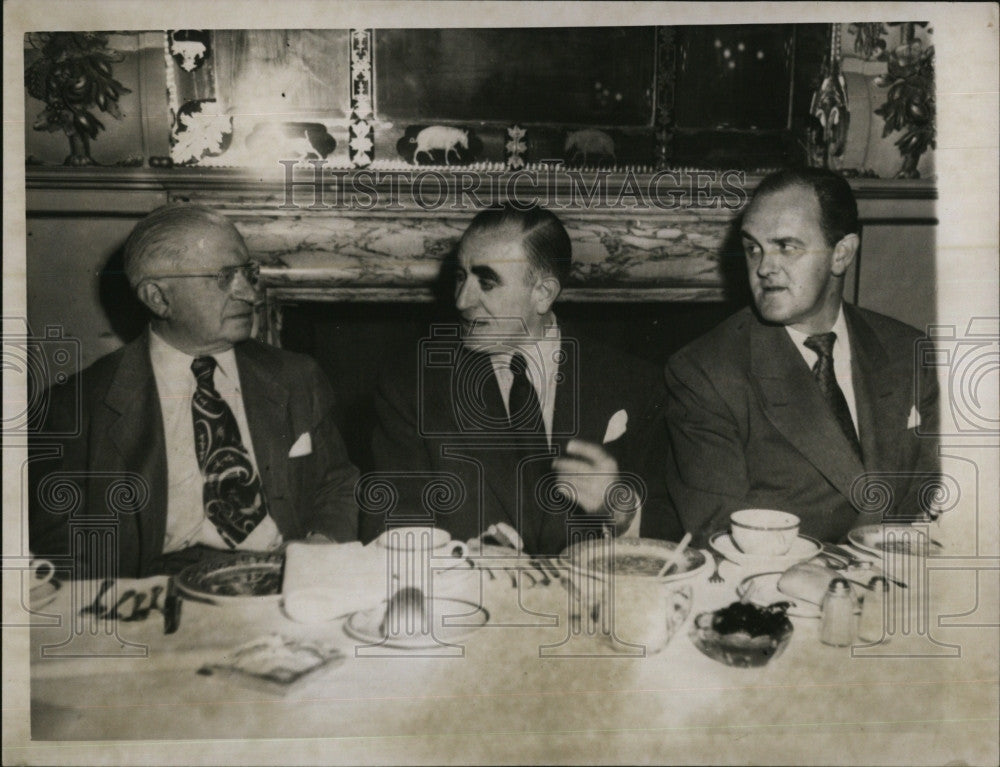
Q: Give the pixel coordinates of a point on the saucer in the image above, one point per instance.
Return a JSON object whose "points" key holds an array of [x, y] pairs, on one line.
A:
{"points": [[43, 593], [802, 549], [455, 620]]}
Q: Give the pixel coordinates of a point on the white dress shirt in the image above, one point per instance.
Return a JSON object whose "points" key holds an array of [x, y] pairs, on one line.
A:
{"points": [[542, 369], [542, 366], [187, 524], [841, 360]]}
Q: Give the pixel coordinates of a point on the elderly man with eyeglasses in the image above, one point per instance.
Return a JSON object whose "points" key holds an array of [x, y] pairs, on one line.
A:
{"points": [[228, 444]]}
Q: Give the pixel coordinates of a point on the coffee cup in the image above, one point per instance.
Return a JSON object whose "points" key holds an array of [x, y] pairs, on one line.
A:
{"points": [[764, 532], [434, 540]]}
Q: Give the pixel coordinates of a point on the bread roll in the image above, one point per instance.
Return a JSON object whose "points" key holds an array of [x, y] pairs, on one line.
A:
{"points": [[806, 581]]}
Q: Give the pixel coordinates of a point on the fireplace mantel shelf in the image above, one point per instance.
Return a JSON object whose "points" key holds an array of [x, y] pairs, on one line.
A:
{"points": [[381, 235], [181, 180]]}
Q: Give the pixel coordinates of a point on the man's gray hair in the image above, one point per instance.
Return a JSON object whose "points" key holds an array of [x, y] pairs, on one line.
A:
{"points": [[160, 237]]}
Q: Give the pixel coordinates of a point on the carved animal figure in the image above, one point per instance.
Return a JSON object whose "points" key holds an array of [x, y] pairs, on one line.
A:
{"points": [[440, 137], [300, 147], [589, 143]]}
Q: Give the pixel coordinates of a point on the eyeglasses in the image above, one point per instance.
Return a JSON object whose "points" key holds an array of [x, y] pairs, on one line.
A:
{"points": [[223, 278]]}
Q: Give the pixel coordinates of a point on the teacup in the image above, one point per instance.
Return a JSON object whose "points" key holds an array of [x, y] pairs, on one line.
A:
{"points": [[764, 532], [431, 539], [42, 572]]}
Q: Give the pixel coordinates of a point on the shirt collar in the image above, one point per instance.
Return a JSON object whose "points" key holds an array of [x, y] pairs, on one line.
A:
{"points": [[842, 344], [541, 352], [839, 327], [175, 365]]}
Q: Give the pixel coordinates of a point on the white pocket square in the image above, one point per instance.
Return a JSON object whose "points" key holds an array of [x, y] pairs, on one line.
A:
{"points": [[914, 420], [303, 446], [616, 427]]}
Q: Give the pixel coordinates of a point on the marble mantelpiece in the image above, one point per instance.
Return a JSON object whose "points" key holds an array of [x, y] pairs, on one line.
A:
{"points": [[382, 234]]}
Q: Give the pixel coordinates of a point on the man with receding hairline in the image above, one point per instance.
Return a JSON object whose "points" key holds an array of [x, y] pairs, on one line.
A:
{"points": [[233, 439], [796, 402], [542, 427]]}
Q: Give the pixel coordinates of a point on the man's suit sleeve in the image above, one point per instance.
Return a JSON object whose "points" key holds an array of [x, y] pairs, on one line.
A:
{"points": [[48, 530], [334, 509], [650, 456], [706, 471], [397, 446], [928, 461]]}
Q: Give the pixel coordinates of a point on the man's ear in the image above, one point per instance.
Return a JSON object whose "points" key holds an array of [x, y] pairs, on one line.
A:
{"points": [[844, 253], [152, 295], [546, 291]]}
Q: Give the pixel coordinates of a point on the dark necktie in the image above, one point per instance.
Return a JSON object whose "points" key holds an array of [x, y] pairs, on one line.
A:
{"points": [[822, 371], [232, 495], [526, 421], [524, 412]]}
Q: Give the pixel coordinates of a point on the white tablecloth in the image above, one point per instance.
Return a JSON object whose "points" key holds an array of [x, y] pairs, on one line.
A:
{"points": [[498, 699]]}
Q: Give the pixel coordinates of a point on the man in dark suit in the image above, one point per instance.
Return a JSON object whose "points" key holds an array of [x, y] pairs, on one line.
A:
{"points": [[801, 402], [192, 440], [530, 426]]}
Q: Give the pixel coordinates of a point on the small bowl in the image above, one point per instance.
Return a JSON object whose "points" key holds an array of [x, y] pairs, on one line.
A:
{"points": [[749, 646], [230, 578], [764, 532]]}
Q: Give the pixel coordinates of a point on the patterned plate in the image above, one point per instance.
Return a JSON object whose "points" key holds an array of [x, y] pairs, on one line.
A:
{"points": [[250, 575]]}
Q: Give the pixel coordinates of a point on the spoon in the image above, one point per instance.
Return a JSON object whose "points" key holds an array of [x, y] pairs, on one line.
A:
{"points": [[674, 559]]}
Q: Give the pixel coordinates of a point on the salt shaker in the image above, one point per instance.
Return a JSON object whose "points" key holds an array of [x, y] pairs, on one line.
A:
{"points": [[872, 627], [840, 625]]}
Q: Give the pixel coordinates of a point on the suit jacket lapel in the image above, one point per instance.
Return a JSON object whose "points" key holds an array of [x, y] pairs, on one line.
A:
{"points": [[792, 401], [266, 404], [511, 469], [565, 426], [136, 431], [468, 400], [873, 387]]}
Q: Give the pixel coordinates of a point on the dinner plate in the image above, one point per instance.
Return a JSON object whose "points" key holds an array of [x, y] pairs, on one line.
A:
{"points": [[905, 542], [459, 619], [633, 556], [762, 589], [235, 577], [803, 548]]}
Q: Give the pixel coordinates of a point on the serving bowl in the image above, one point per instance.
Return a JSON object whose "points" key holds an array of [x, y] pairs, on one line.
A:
{"points": [[618, 595]]}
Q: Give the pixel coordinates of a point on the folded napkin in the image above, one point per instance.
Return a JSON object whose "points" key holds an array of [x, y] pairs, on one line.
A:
{"points": [[273, 663], [326, 581]]}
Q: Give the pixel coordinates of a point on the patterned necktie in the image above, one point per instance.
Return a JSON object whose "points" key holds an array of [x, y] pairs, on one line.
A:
{"points": [[822, 371], [525, 414], [234, 501]]}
